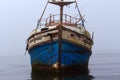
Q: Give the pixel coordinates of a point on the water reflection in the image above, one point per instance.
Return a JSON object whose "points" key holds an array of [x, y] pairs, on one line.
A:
{"points": [[60, 77]]}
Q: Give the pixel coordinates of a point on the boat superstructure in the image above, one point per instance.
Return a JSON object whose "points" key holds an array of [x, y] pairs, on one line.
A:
{"points": [[63, 45]]}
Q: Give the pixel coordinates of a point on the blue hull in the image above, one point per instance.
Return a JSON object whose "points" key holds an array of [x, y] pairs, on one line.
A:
{"points": [[47, 54]]}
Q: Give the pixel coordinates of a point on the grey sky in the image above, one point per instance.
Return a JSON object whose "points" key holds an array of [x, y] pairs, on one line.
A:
{"points": [[19, 17]]}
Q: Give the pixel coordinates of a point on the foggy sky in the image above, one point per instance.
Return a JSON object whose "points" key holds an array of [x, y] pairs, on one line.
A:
{"points": [[19, 17]]}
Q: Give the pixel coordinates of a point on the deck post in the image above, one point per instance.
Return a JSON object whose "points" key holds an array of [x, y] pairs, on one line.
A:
{"points": [[65, 18], [50, 19]]}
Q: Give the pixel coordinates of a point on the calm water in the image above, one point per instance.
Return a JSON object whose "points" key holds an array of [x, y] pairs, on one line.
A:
{"points": [[103, 66]]}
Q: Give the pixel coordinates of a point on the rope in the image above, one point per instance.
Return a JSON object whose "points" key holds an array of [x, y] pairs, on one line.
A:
{"points": [[25, 52], [26, 47]]}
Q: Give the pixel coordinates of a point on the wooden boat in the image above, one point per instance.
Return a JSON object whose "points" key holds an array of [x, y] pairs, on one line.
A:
{"points": [[63, 45]]}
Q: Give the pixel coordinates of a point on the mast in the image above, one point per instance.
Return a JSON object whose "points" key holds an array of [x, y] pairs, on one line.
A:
{"points": [[61, 4], [61, 13]]}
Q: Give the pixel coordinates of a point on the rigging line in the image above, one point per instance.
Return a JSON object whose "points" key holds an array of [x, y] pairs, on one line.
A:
{"points": [[85, 5], [42, 15], [79, 13]]}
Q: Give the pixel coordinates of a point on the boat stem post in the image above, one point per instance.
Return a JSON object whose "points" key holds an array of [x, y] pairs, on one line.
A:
{"points": [[60, 37]]}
